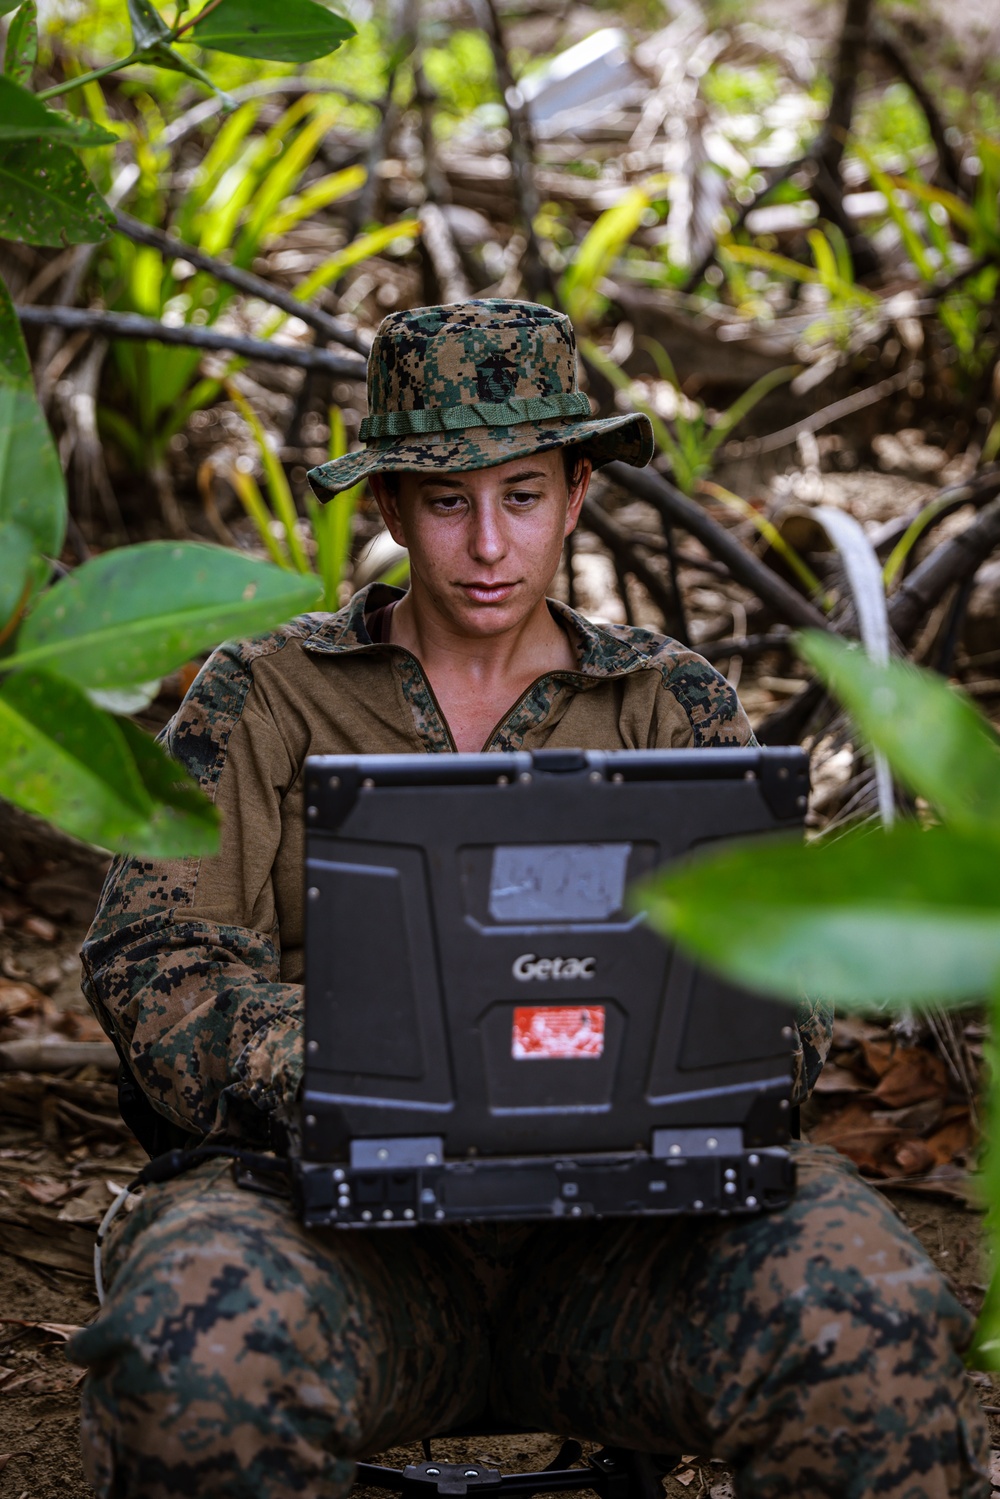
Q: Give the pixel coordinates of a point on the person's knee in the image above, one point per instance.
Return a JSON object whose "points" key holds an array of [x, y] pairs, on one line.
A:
{"points": [[210, 1370]]}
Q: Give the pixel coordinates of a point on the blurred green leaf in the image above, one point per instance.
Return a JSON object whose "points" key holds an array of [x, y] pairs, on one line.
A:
{"points": [[94, 776], [933, 737], [65, 760], [16, 553], [32, 488], [601, 245], [47, 197], [184, 823], [21, 52], [6, 6], [905, 916], [148, 26], [292, 31], [140, 611], [22, 117]]}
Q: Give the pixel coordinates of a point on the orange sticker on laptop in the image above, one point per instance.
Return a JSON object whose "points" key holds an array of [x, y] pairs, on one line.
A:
{"points": [[557, 1031]]}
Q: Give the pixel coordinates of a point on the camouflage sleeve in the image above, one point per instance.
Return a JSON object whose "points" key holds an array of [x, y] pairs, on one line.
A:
{"points": [[190, 987], [711, 707]]}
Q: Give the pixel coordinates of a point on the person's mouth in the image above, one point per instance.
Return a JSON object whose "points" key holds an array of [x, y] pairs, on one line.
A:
{"points": [[487, 593]]}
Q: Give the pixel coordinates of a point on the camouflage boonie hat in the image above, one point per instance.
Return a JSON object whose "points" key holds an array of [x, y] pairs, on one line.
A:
{"points": [[473, 384]]}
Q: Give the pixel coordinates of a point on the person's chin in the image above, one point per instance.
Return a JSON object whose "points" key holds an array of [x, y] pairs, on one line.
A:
{"points": [[487, 613]]}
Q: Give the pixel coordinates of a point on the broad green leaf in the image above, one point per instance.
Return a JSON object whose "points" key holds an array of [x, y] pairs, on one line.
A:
{"points": [[15, 367], [47, 197], [32, 488], [148, 26], [16, 554], [932, 736], [21, 52], [184, 823], [289, 31], [23, 117], [66, 761], [6, 6], [140, 611], [603, 242], [900, 917]]}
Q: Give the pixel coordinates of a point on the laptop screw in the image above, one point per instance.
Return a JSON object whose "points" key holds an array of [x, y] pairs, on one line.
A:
{"points": [[730, 1187], [408, 1213], [525, 778], [618, 778], [730, 1174], [471, 1473], [382, 1154], [333, 782], [338, 1175], [439, 1213], [387, 1214], [433, 1472], [312, 1046], [787, 1032], [576, 1210], [675, 1150], [595, 775], [753, 1160], [314, 892], [712, 1143], [431, 1158], [366, 1216], [751, 1202], [697, 1203], [503, 780], [312, 811], [310, 1121]]}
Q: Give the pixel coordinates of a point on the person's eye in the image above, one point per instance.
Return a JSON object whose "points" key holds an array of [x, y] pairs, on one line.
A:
{"points": [[522, 498], [448, 504]]}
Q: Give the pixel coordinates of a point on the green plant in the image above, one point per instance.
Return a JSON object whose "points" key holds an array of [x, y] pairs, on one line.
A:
{"points": [[696, 437], [601, 246], [905, 917], [98, 637], [832, 270], [331, 523]]}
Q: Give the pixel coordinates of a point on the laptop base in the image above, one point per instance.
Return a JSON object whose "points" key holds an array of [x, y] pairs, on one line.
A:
{"points": [[623, 1184]]}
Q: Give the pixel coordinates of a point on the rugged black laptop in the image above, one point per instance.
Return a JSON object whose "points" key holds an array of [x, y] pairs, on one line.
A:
{"points": [[490, 1032]]}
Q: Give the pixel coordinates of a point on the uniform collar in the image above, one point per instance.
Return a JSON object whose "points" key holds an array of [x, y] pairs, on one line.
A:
{"points": [[604, 651]]}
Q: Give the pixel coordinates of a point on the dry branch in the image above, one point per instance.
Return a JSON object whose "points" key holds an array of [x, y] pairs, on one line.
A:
{"points": [[622, 549], [331, 328], [677, 510], [130, 325]]}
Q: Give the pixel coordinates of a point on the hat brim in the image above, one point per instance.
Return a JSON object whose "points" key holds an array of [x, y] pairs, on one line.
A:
{"points": [[628, 438]]}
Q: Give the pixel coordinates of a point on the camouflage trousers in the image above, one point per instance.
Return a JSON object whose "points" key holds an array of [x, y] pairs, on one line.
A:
{"points": [[816, 1350]]}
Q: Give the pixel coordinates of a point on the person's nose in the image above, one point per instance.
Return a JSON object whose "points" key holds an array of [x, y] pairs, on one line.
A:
{"points": [[488, 542]]}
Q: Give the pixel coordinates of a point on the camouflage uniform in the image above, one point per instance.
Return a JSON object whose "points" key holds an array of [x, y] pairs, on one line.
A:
{"points": [[816, 1349]]}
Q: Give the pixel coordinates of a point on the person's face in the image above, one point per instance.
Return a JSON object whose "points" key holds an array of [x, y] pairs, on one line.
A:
{"points": [[484, 545]]}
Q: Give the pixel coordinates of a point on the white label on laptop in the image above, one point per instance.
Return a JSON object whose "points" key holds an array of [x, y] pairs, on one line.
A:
{"points": [[557, 1031], [561, 882]]}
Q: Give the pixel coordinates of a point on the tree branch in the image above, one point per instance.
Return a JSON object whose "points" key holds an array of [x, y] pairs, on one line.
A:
{"points": [[677, 510], [254, 286], [130, 325], [622, 549]]}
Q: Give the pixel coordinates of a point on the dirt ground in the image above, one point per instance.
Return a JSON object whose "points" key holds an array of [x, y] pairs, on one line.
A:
{"points": [[60, 1163]]}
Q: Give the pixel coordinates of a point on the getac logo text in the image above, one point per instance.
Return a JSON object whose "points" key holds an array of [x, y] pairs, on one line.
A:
{"points": [[527, 966]]}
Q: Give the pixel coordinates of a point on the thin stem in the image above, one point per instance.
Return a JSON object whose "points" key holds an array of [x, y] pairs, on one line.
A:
{"points": [[111, 67], [18, 613], [180, 30]]}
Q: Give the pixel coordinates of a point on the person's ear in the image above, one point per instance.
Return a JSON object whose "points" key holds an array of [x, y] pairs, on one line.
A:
{"points": [[578, 493], [387, 500]]}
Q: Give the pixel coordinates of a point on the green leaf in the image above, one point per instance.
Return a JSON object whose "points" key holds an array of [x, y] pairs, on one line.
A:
{"points": [[148, 26], [21, 52], [47, 197], [23, 117], [934, 739], [899, 917], [66, 761], [15, 367], [94, 776], [16, 555], [292, 31], [184, 822], [6, 6], [32, 488], [140, 611]]}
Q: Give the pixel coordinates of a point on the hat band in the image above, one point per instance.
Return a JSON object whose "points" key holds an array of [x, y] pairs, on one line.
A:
{"points": [[476, 414]]}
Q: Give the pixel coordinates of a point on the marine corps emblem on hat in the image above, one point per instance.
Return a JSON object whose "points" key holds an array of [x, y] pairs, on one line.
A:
{"points": [[473, 384]]}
